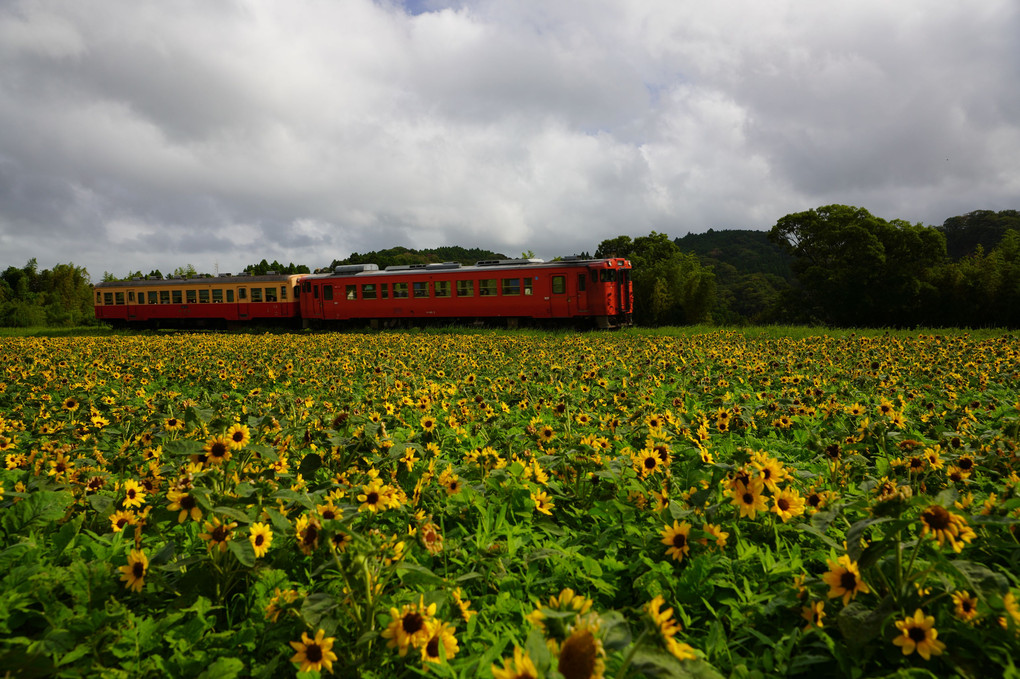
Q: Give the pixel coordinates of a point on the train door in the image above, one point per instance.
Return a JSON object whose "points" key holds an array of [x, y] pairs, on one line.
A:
{"points": [[242, 303], [559, 300], [623, 292], [582, 291]]}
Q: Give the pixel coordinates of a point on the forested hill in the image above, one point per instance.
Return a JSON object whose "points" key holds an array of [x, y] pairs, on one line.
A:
{"points": [[402, 256], [745, 250]]}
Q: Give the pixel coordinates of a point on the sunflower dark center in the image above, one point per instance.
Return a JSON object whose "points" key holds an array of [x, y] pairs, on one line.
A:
{"points": [[917, 634], [219, 534], [259, 539], [578, 655], [311, 534], [314, 653], [188, 502], [783, 504], [432, 648], [814, 499], [649, 462], [937, 517], [412, 623], [372, 498], [748, 499], [679, 540], [218, 449], [238, 436], [138, 570], [848, 581]]}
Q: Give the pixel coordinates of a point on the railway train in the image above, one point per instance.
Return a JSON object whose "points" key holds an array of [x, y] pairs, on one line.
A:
{"points": [[572, 290]]}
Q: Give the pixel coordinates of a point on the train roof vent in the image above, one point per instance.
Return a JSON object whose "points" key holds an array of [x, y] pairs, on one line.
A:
{"points": [[571, 258], [355, 268], [443, 265], [405, 267], [136, 278], [270, 273], [509, 262]]}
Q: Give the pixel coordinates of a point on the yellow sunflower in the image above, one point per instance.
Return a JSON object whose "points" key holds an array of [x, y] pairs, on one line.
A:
{"points": [[519, 667], [133, 574], [261, 538], [314, 654], [844, 579], [239, 436], [918, 633], [676, 537]]}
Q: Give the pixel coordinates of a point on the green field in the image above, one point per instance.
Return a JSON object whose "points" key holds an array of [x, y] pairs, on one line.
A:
{"points": [[678, 502]]}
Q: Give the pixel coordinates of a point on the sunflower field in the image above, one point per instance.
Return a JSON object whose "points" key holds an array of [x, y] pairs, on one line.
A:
{"points": [[510, 505]]}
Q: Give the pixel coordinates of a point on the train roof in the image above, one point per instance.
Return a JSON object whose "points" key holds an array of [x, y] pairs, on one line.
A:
{"points": [[222, 279], [491, 265]]}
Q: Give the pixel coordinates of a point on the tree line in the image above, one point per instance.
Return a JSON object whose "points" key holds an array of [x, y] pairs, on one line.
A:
{"points": [[835, 265]]}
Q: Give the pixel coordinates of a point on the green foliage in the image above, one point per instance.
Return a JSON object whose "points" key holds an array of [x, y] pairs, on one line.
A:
{"points": [[671, 287], [58, 297], [398, 256], [265, 267], [980, 228], [855, 269]]}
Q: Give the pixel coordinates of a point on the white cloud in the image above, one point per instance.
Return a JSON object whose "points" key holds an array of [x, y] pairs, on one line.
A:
{"points": [[213, 132]]}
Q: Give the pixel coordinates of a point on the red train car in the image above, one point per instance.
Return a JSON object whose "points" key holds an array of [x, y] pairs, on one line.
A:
{"points": [[199, 302], [574, 290]]}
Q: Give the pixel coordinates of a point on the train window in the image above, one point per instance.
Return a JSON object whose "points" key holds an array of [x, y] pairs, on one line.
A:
{"points": [[368, 291], [442, 288], [178, 296], [384, 290], [203, 296], [107, 298], [190, 296], [487, 287], [141, 298], [230, 295], [608, 275], [217, 296], [153, 297], [327, 292], [308, 286], [256, 295], [511, 286], [99, 297], [559, 284], [399, 290], [420, 288], [131, 295], [283, 292], [465, 288], [352, 291], [580, 282], [527, 286], [164, 296], [270, 294], [119, 296]]}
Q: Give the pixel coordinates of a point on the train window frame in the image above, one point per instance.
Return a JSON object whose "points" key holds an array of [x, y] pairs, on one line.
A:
{"points": [[420, 289], [327, 292], [230, 295], [217, 295], [164, 296], [131, 296], [384, 290], [368, 291], [510, 287], [559, 285], [256, 295], [351, 292], [153, 297], [283, 293], [99, 297], [527, 283], [177, 296], [607, 275], [191, 296], [581, 279], [442, 288], [400, 291], [203, 296], [465, 288], [271, 295], [141, 297], [487, 287], [118, 298], [108, 298]]}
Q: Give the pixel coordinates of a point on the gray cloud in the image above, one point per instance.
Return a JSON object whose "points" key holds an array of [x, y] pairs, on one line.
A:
{"points": [[146, 135]]}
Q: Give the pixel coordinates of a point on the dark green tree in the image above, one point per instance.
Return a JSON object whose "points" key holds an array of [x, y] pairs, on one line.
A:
{"points": [[856, 269], [671, 287]]}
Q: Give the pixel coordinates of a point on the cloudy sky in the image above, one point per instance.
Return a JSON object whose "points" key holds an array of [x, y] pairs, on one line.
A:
{"points": [[157, 133]]}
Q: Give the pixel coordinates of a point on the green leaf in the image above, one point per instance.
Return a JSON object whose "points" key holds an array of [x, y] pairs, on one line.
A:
{"points": [[310, 463], [223, 668], [243, 551], [232, 513], [37, 510]]}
